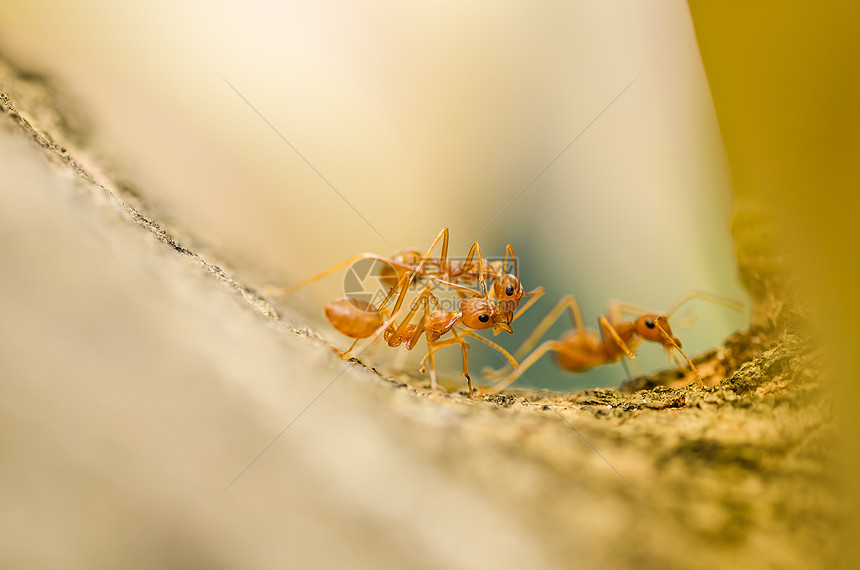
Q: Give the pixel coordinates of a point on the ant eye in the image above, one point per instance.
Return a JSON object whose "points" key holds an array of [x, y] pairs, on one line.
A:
{"points": [[649, 323], [484, 318], [509, 290]]}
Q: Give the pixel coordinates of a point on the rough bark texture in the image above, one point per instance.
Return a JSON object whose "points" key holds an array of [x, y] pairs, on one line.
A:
{"points": [[158, 413]]}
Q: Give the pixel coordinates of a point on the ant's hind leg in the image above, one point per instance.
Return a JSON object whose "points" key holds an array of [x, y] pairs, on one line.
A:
{"points": [[432, 371], [345, 354], [535, 295], [524, 365], [431, 353], [568, 302], [475, 253], [443, 236]]}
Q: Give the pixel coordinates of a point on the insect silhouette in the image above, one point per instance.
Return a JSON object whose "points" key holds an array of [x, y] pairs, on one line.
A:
{"points": [[581, 349]]}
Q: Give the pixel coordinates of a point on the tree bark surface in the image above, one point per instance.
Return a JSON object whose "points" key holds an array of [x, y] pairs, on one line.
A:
{"points": [[157, 412]]}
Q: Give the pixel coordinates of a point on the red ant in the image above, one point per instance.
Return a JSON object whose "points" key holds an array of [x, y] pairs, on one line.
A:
{"points": [[507, 288], [581, 349], [476, 313], [359, 319]]}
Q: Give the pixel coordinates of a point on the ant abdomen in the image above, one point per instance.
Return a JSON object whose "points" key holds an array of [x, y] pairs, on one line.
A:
{"points": [[354, 318]]}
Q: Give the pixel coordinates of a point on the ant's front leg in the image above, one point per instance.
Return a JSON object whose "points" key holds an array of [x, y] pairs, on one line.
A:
{"points": [[524, 365], [568, 302], [434, 346]]}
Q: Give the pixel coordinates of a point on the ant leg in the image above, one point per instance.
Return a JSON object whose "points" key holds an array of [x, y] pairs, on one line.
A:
{"points": [[678, 348], [568, 302], [402, 286], [345, 353], [475, 251], [432, 369], [388, 326], [670, 343], [399, 360], [462, 290], [445, 280], [606, 328], [444, 266], [619, 308], [434, 346], [417, 334], [525, 364], [443, 235], [511, 360], [616, 309], [464, 346], [627, 364], [704, 296], [400, 333], [458, 339], [430, 343], [279, 291], [410, 273], [535, 294], [509, 251], [406, 280]]}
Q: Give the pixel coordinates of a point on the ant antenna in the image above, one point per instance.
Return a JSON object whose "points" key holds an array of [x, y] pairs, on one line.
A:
{"points": [[671, 341], [696, 294]]}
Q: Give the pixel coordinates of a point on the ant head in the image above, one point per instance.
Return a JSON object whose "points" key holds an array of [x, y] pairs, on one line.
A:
{"points": [[655, 328], [508, 291], [480, 314]]}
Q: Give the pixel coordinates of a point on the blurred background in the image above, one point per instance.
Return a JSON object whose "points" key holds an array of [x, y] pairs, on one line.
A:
{"points": [[285, 138]]}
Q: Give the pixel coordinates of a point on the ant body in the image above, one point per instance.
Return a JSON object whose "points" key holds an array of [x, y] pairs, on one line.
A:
{"points": [[359, 319], [476, 313], [410, 263], [581, 349]]}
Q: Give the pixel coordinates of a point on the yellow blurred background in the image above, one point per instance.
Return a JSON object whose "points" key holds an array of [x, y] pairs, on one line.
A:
{"points": [[428, 116], [785, 80], [415, 117]]}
